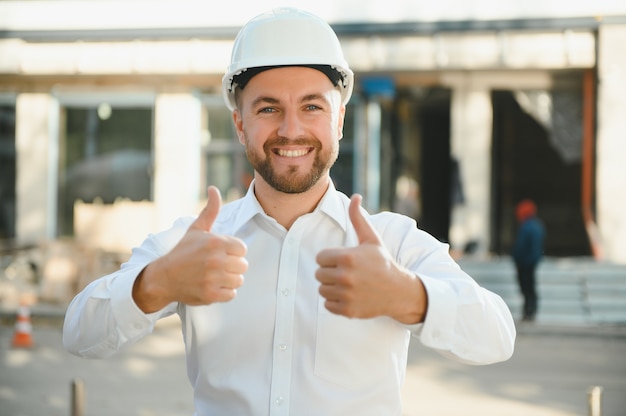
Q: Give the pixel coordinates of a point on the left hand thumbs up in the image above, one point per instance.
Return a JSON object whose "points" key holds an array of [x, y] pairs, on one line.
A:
{"points": [[365, 281], [353, 279], [364, 230]]}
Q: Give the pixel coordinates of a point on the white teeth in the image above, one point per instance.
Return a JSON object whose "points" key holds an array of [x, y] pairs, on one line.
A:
{"points": [[292, 153]]}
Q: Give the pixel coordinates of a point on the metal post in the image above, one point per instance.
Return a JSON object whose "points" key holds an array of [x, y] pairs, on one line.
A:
{"points": [[371, 199], [595, 401], [78, 398]]}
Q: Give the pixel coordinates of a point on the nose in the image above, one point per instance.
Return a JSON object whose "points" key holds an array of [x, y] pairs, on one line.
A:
{"points": [[291, 125]]}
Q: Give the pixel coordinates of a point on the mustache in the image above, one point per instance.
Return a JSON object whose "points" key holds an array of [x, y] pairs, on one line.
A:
{"points": [[283, 141]]}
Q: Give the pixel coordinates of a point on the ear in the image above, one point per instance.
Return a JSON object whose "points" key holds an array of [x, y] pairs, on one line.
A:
{"points": [[340, 121], [238, 121]]}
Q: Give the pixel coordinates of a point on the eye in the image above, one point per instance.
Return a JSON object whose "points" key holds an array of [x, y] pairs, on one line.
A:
{"points": [[266, 110], [312, 107]]}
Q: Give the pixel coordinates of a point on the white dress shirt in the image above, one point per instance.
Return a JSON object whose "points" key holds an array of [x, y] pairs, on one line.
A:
{"points": [[275, 349]]}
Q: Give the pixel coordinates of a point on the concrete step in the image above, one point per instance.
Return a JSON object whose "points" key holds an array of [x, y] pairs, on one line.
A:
{"points": [[571, 291]]}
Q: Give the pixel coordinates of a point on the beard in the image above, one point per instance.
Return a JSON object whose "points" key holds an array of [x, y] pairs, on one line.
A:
{"points": [[293, 181]]}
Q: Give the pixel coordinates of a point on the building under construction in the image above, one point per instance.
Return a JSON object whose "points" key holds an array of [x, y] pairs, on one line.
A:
{"points": [[112, 112]]}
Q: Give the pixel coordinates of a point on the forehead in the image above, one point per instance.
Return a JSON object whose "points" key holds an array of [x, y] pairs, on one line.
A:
{"points": [[289, 82]]}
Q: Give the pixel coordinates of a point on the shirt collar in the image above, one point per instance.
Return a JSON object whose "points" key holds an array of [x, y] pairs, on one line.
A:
{"points": [[333, 204], [248, 209]]}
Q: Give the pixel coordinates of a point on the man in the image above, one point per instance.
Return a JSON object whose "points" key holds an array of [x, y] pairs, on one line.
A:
{"points": [[527, 252], [293, 299]]}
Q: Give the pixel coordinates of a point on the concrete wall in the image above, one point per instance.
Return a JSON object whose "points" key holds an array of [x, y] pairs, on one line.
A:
{"points": [[36, 167], [177, 156], [471, 146]]}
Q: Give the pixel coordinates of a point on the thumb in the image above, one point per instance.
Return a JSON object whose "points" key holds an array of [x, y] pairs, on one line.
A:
{"points": [[208, 214], [364, 230]]}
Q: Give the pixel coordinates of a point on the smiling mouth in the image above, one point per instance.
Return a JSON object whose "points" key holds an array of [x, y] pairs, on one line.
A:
{"points": [[292, 153]]}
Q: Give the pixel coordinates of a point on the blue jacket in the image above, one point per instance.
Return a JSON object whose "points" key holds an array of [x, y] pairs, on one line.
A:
{"points": [[528, 247]]}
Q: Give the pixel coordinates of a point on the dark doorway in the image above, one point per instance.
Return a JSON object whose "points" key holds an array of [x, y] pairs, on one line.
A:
{"points": [[436, 166], [529, 162]]}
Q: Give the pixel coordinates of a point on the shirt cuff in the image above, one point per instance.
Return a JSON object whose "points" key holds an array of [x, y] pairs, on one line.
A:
{"points": [[130, 320], [438, 326]]}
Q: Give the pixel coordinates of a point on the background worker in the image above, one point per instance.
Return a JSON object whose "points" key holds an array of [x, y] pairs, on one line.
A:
{"points": [[527, 253]]}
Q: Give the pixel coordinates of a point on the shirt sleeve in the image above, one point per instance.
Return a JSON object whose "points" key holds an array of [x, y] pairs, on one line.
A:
{"points": [[466, 322], [463, 321], [103, 317]]}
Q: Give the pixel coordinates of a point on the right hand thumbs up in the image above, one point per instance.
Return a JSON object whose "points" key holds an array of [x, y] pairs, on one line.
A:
{"points": [[203, 268]]}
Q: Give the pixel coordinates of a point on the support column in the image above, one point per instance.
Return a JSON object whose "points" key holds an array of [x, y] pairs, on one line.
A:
{"points": [[472, 119], [36, 143], [610, 143], [177, 157]]}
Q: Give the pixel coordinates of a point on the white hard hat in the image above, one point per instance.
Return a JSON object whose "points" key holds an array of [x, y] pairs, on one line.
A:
{"points": [[286, 37]]}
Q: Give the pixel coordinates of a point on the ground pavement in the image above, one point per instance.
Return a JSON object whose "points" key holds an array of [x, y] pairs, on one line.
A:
{"points": [[550, 374]]}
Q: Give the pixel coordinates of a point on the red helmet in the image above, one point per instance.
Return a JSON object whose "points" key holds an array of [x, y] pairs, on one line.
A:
{"points": [[525, 209]]}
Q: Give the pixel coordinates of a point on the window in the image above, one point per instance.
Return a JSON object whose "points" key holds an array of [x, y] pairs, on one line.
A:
{"points": [[224, 163], [7, 171], [342, 172], [105, 154]]}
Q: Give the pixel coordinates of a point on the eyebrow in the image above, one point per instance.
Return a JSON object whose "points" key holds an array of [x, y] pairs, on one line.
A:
{"points": [[264, 99], [313, 97], [271, 100]]}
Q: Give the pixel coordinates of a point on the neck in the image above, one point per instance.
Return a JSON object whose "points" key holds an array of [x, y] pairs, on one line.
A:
{"points": [[287, 208]]}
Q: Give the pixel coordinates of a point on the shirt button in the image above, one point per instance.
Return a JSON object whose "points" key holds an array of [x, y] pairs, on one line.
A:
{"points": [[282, 347], [285, 292], [279, 400]]}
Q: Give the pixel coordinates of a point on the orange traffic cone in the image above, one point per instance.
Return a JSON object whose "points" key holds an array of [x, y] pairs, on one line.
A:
{"points": [[23, 328]]}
